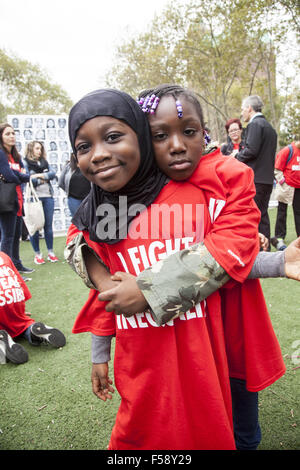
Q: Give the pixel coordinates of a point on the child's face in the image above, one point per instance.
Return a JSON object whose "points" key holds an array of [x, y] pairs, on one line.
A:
{"points": [[177, 142], [108, 152]]}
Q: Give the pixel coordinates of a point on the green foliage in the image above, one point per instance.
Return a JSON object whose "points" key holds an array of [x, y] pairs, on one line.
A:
{"points": [[291, 121], [47, 403], [25, 88], [224, 51]]}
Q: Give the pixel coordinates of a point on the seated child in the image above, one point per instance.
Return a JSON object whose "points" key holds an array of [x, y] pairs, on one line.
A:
{"points": [[14, 322]]}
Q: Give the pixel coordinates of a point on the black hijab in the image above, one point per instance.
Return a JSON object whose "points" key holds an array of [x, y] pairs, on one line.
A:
{"points": [[146, 184]]}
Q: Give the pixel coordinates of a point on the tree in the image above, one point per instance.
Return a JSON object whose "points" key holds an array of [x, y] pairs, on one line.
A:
{"points": [[223, 50], [26, 89]]}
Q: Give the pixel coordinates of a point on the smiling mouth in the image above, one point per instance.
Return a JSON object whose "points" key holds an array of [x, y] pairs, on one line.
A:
{"points": [[106, 170]]}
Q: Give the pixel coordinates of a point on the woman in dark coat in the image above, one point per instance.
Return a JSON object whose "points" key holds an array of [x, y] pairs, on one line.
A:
{"points": [[12, 170]]}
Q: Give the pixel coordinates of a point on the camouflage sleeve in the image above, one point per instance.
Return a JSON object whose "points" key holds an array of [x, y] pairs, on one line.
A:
{"points": [[74, 256], [174, 285]]}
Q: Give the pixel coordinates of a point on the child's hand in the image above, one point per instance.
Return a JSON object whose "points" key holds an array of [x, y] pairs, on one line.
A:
{"points": [[263, 242], [292, 260], [101, 383], [126, 298]]}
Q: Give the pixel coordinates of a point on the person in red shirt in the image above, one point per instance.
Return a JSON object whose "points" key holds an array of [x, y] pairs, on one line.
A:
{"points": [[287, 173], [173, 379], [14, 322], [229, 196]]}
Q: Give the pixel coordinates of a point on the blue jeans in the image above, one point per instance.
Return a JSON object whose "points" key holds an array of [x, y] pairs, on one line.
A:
{"points": [[27, 335], [10, 227], [48, 206], [73, 204], [247, 431]]}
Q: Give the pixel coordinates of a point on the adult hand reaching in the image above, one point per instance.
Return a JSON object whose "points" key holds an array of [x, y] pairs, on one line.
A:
{"points": [[292, 260]]}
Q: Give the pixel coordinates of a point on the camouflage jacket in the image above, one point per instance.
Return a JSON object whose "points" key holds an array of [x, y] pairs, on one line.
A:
{"points": [[174, 285], [74, 256], [179, 282], [195, 275]]}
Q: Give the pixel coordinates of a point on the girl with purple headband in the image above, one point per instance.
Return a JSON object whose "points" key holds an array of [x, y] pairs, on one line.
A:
{"points": [[170, 281]]}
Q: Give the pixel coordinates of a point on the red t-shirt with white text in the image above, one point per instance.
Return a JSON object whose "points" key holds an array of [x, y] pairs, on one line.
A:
{"points": [[13, 295], [291, 170], [173, 380]]}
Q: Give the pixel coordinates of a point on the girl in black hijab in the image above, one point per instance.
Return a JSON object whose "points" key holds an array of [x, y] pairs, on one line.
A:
{"points": [[148, 180], [109, 134]]}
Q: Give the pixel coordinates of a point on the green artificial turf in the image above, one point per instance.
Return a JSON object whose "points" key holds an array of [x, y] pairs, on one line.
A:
{"points": [[48, 404]]}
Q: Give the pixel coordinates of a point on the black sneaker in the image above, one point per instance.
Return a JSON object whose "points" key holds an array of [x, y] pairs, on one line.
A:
{"points": [[25, 270], [41, 332], [13, 352]]}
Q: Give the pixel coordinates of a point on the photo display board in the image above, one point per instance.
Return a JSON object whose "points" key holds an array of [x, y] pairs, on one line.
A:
{"points": [[52, 132]]}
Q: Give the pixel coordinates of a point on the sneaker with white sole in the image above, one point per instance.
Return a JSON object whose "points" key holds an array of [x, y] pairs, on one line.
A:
{"points": [[52, 258], [39, 259], [43, 333], [25, 270], [12, 351]]}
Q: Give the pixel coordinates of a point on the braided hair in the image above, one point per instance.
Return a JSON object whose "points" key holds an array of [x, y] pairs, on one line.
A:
{"points": [[176, 92]]}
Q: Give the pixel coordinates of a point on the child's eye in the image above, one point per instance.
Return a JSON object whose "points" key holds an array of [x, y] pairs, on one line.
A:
{"points": [[113, 137], [82, 148], [159, 136], [190, 132]]}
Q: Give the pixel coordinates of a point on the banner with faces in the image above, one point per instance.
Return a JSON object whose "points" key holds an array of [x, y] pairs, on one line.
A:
{"points": [[52, 132]]}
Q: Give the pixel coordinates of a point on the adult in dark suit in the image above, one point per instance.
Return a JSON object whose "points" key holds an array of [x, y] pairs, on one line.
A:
{"points": [[259, 154]]}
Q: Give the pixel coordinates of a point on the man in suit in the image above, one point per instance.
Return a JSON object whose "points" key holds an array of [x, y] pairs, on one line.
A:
{"points": [[259, 154]]}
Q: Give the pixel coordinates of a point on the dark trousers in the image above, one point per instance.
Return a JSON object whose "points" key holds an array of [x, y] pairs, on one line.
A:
{"points": [[10, 226], [262, 198], [280, 226], [246, 427], [24, 232]]}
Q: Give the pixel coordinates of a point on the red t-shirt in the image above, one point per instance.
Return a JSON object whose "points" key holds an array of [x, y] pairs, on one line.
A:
{"points": [[231, 235], [291, 170], [13, 295], [252, 348], [173, 380], [16, 166]]}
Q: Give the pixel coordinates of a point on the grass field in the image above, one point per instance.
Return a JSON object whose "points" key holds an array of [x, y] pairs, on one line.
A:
{"points": [[47, 403]]}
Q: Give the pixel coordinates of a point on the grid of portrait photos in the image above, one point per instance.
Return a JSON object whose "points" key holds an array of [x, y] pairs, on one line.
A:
{"points": [[52, 132]]}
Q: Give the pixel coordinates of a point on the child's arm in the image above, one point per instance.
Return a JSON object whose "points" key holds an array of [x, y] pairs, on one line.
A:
{"points": [[101, 383], [85, 262], [97, 273], [178, 282]]}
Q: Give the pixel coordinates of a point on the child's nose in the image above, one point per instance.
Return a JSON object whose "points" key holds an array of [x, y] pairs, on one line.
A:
{"points": [[101, 152], [177, 144]]}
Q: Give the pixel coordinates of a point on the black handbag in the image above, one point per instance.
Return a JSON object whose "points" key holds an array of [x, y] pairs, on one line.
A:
{"points": [[7, 196]]}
